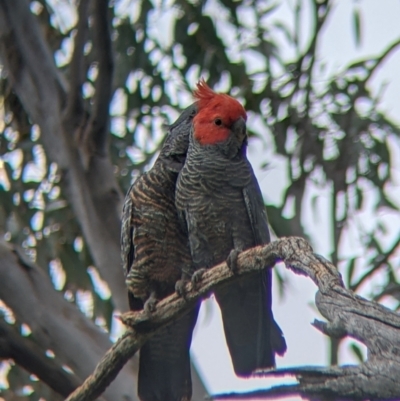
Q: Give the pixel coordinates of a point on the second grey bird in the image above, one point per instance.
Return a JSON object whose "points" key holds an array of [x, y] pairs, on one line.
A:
{"points": [[154, 251]]}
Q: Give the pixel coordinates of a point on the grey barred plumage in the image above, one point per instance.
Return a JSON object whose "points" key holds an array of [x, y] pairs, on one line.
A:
{"points": [[220, 204], [154, 252], [211, 189]]}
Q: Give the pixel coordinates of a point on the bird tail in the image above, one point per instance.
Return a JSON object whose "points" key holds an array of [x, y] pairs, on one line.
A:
{"points": [[164, 363], [253, 337]]}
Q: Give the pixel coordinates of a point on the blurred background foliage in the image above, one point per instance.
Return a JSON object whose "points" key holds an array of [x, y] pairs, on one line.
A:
{"points": [[329, 131]]}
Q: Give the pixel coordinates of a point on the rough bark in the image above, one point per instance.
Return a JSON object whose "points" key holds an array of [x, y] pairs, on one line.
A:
{"points": [[87, 180], [56, 325], [346, 313]]}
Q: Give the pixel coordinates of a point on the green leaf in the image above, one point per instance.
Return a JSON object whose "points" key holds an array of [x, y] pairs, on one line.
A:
{"points": [[357, 27], [357, 351], [350, 271]]}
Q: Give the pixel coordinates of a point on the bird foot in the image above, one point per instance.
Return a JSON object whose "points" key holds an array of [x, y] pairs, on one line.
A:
{"points": [[150, 304], [180, 287], [232, 260], [197, 277]]}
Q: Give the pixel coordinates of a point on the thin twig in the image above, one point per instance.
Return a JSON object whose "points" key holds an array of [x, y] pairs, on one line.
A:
{"points": [[379, 261]]}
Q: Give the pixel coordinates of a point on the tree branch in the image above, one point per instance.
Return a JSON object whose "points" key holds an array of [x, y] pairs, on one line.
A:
{"points": [[55, 325], [273, 393], [75, 109], [97, 131], [373, 324], [321, 12], [378, 262], [109, 367], [32, 358]]}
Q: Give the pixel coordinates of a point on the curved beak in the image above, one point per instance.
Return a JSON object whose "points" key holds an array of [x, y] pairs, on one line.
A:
{"points": [[239, 129]]}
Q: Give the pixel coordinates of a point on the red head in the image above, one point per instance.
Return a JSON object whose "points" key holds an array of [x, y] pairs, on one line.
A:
{"points": [[217, 112]]}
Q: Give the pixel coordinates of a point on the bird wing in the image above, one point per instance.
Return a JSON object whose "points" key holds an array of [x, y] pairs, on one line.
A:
{"points": [[127, 247], [256, 211], [164, 366], [259, 223]]}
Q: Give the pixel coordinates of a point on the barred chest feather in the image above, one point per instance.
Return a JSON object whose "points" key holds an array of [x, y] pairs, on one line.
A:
{"points": [[210, 202], [207, 168]]}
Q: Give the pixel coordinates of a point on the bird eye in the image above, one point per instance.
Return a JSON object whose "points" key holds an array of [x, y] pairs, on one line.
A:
{"points": [[218, 121]]}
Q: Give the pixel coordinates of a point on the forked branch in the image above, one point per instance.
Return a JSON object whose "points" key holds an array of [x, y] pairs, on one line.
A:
{"points": [[347, 314]]}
